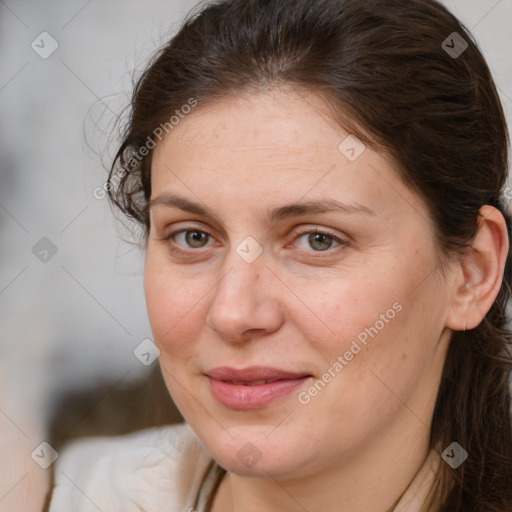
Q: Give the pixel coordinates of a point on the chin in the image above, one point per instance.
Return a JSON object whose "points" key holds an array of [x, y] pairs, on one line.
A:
{"points": [[251, 453]]}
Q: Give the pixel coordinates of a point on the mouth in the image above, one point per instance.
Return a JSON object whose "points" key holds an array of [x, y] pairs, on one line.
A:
{"points": [[251, 383], [253, 388]]}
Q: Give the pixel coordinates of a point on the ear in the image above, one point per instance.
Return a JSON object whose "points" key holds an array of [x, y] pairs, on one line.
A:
{"points": [[479, 273]]}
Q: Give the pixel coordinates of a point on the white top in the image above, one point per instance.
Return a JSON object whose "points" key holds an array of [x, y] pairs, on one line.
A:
{"points": [[150, 470], [162, 469]]}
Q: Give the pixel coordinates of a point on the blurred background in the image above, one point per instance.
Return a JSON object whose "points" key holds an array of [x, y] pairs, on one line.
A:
{"points": [[72, 309]]}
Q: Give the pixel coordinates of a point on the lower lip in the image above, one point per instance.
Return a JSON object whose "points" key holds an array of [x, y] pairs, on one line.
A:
{"points": [[238, 396]]}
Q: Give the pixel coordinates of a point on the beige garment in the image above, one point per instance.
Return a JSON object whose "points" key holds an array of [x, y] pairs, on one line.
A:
{"points": [[162, 469]]}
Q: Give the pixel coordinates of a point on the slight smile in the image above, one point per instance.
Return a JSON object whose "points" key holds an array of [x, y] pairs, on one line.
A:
{"points": [[253, 387]]}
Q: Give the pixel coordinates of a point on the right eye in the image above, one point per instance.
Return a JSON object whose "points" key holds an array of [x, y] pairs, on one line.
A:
{"points": [[192, 239]]}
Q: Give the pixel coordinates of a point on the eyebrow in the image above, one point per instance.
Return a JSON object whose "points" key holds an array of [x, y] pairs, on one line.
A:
{"points": [[276, 214]]}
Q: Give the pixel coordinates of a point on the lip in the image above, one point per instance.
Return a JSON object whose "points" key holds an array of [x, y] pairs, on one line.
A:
{"points": [[227, 385]]}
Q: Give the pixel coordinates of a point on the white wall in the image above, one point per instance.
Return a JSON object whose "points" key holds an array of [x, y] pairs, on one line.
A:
{"points": [[78, 317]]}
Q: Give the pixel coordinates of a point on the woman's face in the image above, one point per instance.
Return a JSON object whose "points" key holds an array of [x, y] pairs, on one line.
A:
{"points": [[350, 321]]}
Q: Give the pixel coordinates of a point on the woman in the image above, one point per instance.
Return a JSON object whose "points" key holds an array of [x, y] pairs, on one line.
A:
{"points": [[327, 266]]}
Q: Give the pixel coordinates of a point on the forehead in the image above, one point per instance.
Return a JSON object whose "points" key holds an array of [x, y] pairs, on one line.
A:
{"points": [[280, 129], [280, 145]]}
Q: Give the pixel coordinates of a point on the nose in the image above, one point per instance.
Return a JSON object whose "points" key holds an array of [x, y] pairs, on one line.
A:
{"points": [[245, 303]]}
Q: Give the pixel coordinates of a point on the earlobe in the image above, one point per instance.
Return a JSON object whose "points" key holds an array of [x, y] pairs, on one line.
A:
{"points": [[480, 272]]}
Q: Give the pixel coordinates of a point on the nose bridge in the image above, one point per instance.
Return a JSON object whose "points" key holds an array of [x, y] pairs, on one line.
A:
{"points": [[243, 266], [240, 302], [238, 287]]}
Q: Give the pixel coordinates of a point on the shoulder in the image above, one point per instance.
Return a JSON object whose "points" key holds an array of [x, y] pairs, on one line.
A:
{"points": [[145, 470]]}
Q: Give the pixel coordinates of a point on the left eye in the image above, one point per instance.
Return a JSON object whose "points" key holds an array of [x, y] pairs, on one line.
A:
{"points": [[320, 241]]}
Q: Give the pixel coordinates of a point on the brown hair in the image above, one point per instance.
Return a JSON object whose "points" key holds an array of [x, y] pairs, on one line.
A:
{"points": [[399, 79]]}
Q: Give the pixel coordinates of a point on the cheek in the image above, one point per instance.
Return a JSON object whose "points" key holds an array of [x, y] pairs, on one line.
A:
{"points": [[384, 363], [380, 323], [352, 306], [173, 303], [173, 311]]}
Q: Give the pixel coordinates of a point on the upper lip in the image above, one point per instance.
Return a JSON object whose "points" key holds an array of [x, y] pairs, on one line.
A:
{"points": [[253, 373]]}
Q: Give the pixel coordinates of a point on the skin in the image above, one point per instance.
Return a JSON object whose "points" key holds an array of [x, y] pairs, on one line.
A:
{"points": [[358, 443]]}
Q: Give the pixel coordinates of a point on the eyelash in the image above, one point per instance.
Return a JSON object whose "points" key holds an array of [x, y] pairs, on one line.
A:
{"points": [[177, 248]]}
